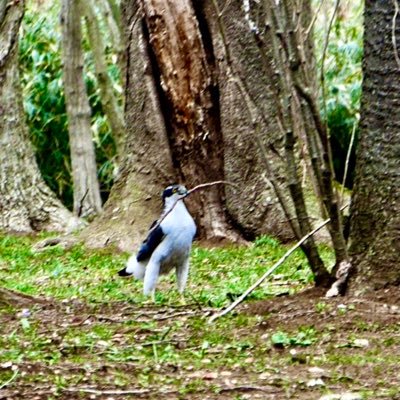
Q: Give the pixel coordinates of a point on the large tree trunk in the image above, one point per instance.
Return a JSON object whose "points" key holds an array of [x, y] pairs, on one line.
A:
{"points": [[87, 200], [188, 91], [174, 130], [187, 121], [253, 204], [26, 203], [375, 211], [172, 123]]}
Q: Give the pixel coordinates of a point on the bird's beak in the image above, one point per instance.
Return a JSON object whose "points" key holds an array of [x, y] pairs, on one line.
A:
{"points": [[182, 190]]}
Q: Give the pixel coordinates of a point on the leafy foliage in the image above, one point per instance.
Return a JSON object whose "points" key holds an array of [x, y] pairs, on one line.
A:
{"points": [[342, 80], [44, 103], [306, 336]]}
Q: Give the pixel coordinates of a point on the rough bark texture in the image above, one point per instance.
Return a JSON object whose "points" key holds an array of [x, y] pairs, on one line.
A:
{"points": [[375, 211], [253, 205], [173, 132], [187, 122], [135, 199], [26, 203], [87, 200], [189, 99], [109, 101]]}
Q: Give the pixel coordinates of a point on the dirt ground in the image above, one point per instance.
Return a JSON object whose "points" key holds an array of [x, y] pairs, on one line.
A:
{"points": [[356, 354]]}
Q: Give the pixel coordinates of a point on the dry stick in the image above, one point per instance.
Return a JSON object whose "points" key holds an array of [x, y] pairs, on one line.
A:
{"points": [[270, 271], [346, 165], [107, 392], [396, 12], [198, 187], [6, 383]]}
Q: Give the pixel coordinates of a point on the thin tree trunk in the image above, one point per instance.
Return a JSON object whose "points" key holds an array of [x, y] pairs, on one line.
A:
{"points": [[26, 203], [111, 13], [87, 201], [109, 102]]}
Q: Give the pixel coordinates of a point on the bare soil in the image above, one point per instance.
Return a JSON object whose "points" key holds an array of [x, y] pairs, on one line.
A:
{"points": [[356, 352]]}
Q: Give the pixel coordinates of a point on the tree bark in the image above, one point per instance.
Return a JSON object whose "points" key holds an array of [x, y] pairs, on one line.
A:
{"points": [[172, 122], [375, 210], [187, 121], [189, 96], [26, 203], [87, 200], [253, 205], [109, 101], [135, 198]]}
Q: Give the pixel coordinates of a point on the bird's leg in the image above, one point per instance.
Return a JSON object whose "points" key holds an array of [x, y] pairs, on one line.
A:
{"points": [[153, 295], [151, 277], [182, 273]]}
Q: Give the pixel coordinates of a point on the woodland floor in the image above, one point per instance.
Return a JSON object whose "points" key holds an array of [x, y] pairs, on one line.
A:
{"points": [[290, 347]]}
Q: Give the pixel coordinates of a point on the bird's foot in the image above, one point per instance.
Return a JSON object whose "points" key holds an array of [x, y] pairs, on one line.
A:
{"points": [[182, 300]]}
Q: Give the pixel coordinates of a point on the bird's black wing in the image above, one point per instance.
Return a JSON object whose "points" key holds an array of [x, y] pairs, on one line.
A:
{"points": [[154, 238]]}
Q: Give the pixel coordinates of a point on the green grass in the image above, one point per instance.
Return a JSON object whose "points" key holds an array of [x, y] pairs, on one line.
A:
{"points": [[217, 275], [89, 277], [99, 330]]}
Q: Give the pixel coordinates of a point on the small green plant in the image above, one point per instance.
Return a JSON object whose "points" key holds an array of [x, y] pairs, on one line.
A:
{"points": [[321, 307], [305, 336]]}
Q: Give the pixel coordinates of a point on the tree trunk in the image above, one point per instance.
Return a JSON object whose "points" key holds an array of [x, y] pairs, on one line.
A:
{"points": [[189, 99], [135, 198], [26, 203], [87, 200], [375, 210], [256, 114], [253, 204], [173, 133], [111, 14], [109, 101], [187, 121]]}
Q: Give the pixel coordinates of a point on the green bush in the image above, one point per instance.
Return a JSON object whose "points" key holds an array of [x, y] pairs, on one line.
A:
{"points": [[342, 79], [44, 103]]}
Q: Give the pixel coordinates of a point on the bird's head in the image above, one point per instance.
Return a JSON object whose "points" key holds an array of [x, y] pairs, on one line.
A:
{"points": [[172, 192]]}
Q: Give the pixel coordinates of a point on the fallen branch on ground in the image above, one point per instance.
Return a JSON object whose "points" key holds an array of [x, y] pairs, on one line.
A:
{"points": [[6, 383], [270, 271], [137, 392]]}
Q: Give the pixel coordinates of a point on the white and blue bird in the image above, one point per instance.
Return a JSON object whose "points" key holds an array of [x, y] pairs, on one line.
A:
{"points": [[167, 245]]}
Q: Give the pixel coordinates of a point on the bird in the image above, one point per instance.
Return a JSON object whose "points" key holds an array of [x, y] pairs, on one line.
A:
{"points": [[167, 245]]}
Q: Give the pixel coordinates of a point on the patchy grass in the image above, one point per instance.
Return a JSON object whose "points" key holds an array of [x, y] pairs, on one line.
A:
{"points": [[217, 275], [96, 336]]}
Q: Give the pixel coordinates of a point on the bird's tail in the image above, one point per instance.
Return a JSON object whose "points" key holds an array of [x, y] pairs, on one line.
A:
{"points": [[133, 267]]}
